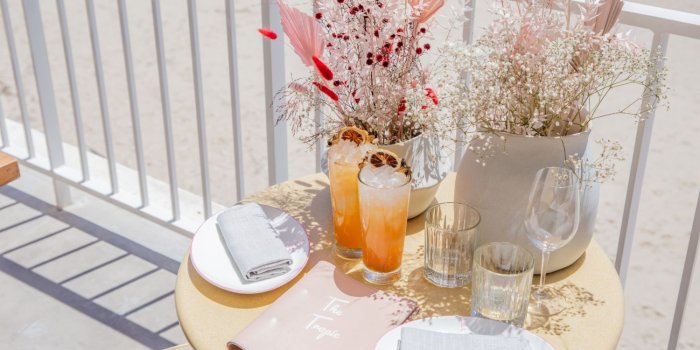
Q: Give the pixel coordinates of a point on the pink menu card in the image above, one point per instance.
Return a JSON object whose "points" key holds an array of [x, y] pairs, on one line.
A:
{"points": [[325, 310]]}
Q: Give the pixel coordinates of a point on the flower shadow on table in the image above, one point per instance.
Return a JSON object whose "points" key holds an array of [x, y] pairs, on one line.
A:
{"points": [[432, 300], [576, 299]]}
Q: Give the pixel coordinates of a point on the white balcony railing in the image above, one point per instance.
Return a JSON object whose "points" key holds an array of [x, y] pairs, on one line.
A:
{"points": [[661, 22]]}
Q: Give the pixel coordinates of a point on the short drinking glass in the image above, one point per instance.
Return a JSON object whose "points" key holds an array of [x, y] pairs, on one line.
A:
{"points": [[501, 280], [450, 239], [383, 213]]}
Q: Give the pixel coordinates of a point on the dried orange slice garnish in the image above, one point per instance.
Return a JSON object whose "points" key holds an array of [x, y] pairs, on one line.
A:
{"points": [[352, 133], [381, 157]]}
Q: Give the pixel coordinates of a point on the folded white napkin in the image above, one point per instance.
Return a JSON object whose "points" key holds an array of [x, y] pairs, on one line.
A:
{"points": [[423, 339], [253, 244]]}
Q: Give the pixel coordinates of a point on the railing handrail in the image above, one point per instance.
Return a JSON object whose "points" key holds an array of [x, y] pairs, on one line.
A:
{"points": [[652, 17]]}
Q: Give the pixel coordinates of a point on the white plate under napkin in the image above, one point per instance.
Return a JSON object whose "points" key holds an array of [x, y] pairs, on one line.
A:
{"points": [[464, 325], [210, 258]]}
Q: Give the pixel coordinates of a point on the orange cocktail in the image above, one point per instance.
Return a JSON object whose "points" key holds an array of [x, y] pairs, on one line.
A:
{"points": [[346, 211], [383, 194], [347, 150]]}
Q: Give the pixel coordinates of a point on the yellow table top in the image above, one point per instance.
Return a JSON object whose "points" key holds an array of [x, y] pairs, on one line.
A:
{"points": [[210, 316]]}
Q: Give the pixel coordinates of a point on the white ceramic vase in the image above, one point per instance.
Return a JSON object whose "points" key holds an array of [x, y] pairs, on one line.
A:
{"points": [[429, 167], [500, 190]]}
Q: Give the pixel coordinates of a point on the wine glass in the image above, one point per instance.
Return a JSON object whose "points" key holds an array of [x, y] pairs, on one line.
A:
{"points": [[551, 221]]}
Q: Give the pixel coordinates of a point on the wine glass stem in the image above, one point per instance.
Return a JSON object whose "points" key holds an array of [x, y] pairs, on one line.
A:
{"points": [[543, 271]]}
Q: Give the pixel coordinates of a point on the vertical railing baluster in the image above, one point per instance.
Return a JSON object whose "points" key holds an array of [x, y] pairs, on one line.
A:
{"points": [[3, 127], [47, 101], [199, 103], [686, 279], [75, 99], [17, 72], [273, 51], [101, 91], [133, 103], [165, 104], [235, 100], [639, 160], [467, 37]]}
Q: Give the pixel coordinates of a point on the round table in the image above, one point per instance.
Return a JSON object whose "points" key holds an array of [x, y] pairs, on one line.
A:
{"points": [[210, 316]]}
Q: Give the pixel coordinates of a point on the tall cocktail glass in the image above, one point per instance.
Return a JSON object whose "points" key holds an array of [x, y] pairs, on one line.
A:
{"points": [[343, 168], [383, 195]]}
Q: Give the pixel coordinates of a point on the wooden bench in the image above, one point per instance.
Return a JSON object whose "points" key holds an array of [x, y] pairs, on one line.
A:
{"points": [[9, 169]]}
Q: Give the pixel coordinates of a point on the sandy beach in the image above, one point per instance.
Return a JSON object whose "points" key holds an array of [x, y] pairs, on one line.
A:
{"points": [[671, 183]]}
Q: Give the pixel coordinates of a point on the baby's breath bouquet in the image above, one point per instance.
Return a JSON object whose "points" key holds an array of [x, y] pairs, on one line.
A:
{"points": [[543, 68]]}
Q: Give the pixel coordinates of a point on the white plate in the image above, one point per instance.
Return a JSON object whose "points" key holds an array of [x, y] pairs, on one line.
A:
{"points": [[463, 325], [212, 262]]}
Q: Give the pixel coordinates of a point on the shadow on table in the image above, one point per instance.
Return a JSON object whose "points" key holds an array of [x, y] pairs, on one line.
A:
{"points": [[576, 298], [434, 300]]}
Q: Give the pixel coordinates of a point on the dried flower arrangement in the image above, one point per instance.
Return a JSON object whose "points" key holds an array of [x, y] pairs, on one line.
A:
{"points": [[367, 72], [540, 70]]}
